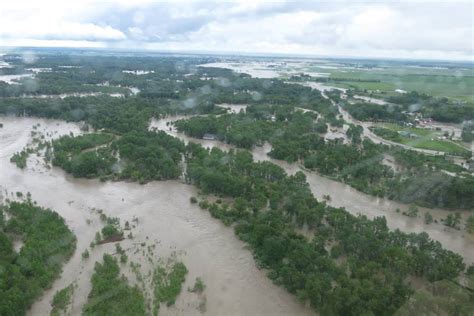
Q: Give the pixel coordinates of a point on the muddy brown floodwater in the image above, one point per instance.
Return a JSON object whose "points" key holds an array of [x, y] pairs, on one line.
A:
{"points": [[165, 219], [354, 201]]}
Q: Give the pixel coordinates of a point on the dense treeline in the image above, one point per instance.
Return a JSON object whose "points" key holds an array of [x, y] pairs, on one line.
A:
{"points": [[467, 134], [363, 111], [111, 294], [261, 123], [58, 75], [440, 109], [352, 265], [140, 156], [294, 137], [47, 244], [79, 156], [149, 156]]}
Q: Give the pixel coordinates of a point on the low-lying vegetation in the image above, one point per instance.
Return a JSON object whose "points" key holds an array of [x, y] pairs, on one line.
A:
{"points": [[47, 244], [111, 294], [168, 281], [348, 259]]}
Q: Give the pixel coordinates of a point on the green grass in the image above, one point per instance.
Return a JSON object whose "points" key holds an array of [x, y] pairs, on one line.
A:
{"points": [[382, 86], [438, 145], [446, 83], [422, 132], [425, 139]]}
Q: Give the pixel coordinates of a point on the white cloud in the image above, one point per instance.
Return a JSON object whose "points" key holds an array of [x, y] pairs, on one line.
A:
{"points": [[405, 29], [53, 30]]}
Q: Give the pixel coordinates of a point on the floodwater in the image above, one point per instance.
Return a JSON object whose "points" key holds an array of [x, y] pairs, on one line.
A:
{"points": [[138, 72], [165, 219], [268, 70], [354, 201], [233, 108], [13, 79], [133, 91], [371, 100]]}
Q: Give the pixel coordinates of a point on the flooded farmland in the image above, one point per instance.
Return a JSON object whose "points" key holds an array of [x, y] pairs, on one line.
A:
{"points": [[164, 217]]}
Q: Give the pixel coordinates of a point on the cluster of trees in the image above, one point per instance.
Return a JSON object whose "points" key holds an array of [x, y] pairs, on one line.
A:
{"points": [[111, 294], [149, 156], [20, 158], [467, 134], [144, 156], [88, 74], [259, 124], [294, 136], [47, 244], [364, 111], [167, 283], [352, 265], [80, 157], [386, 133], [424, 183], [240, 130], [61, 300], [440, 109]]}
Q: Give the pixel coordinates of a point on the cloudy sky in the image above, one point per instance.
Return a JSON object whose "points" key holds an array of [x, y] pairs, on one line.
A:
{"points": [[375, 28]]}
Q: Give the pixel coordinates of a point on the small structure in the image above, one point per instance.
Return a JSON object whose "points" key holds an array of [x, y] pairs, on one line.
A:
{"points": [[209, 137]]}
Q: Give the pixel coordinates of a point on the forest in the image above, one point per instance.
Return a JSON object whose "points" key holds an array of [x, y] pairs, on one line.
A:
{"points": [[440, 109]]}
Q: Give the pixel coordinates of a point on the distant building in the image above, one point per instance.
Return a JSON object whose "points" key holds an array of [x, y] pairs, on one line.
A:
{"points": [[209, 137]]}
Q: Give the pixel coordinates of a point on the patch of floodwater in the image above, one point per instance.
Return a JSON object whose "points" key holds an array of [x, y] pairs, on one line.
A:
{"points": [[38, 70], [333, 134], [233, 108], [306, 110], [256, 70], [321, 87], [166, 219], [4, 64], [389, 161], [62, 95], [134, 90], [371, 100], [267, 70], [13, 79], [353, 201], [138, 72]]}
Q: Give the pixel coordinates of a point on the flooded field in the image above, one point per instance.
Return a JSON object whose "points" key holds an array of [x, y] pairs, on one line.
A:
{"points": [[13, 79], [162, 216], [354, 201], [268, 70]]}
